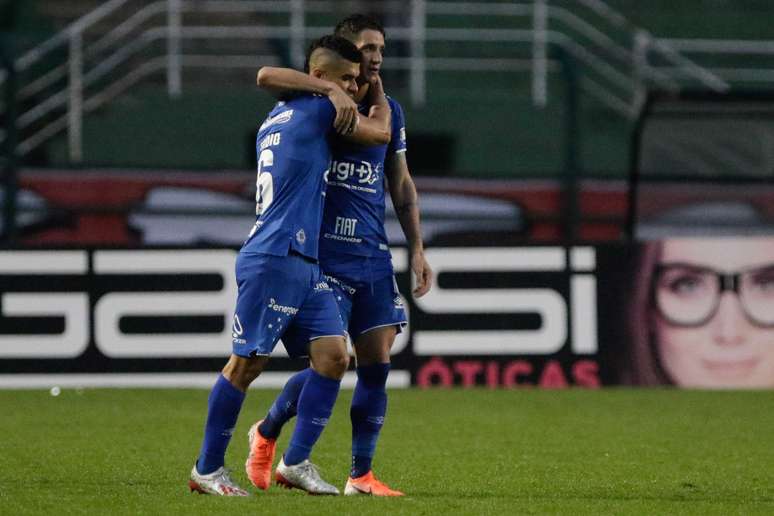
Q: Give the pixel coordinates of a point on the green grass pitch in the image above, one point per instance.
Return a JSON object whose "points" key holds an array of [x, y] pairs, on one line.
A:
{"points": [[453, 451]]}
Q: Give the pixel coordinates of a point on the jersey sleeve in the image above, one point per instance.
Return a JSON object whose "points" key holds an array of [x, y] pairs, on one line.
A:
{"points": [[326, 114], [398, 140]]}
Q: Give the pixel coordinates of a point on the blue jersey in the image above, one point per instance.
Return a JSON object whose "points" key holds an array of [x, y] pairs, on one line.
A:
{"points": [[353, 220], [293, 158]]}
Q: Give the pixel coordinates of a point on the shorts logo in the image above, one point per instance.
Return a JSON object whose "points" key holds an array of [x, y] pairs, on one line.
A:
{"points": [[321, 286], [287, 310], [237, 327], [344, 286], [301, 237], [398, 302]]}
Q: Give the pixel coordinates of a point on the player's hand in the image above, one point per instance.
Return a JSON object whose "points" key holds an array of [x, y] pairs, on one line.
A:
{"points": [[346, 111], [423, 274], [375, 88]]}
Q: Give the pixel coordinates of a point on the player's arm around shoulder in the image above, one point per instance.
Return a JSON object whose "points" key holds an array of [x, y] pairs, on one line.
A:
{"points": [[405, 199], [376, 128], [284, 83]]}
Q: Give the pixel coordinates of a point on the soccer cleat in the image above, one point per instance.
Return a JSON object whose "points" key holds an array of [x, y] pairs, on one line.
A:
{"points": [[218, 483], [368, 484], [304, 476], [261, 457]]}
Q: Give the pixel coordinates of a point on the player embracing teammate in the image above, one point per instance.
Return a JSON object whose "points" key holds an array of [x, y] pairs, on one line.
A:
{"points": [[355, 270], [282, 292], [355, 259]]}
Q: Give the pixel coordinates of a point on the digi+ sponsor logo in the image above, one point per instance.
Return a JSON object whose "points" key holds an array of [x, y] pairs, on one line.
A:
{"points": [[363, 172]]}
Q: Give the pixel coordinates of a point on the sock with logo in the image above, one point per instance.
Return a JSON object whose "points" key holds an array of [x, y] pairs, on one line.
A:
{"points": [[369, 405], [285, 406], [224, 404], [315, 405]]}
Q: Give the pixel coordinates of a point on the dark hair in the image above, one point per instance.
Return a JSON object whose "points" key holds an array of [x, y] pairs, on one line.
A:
{"points": [[343, 47], [354, 24], [642, 363]]}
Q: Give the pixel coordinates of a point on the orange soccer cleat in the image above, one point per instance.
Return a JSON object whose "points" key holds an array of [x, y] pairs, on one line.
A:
{"points": [[368, 484], [260, 459]]}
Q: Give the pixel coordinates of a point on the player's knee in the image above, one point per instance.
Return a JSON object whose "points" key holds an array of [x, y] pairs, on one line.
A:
{"points": [[336, 362], [373, 347], [330, 357], [340, 361], [372, 355], [241, 371]]}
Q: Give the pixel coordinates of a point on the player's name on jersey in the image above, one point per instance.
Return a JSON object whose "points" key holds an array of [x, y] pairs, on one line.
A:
{"points": [[271, 140]]}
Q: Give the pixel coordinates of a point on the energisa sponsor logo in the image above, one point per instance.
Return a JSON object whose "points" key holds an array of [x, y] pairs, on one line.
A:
{"points": [[283, 309], [350, 290], [566, 304], [279, 118]]}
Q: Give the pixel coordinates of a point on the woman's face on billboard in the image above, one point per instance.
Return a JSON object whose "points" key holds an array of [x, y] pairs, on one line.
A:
{"points": [[714, 312]]}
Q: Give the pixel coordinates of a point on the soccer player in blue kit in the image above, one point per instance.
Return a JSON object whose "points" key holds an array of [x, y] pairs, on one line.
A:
{"points": [[356, 261], [282, 292]]}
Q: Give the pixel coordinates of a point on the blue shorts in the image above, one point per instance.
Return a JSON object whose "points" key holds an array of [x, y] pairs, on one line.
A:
{"points": [[281, 297], [366, 293]]}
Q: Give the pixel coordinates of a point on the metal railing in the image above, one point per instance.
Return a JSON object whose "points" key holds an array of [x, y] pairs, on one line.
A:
{"points": [[112, 48], [704, 50]]}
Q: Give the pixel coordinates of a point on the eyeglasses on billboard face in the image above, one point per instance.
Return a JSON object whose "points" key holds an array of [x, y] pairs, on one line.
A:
{"points": [[687, 295]]}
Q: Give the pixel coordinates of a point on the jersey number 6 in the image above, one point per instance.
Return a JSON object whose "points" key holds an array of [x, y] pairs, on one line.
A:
{"points": [[264, 185]]}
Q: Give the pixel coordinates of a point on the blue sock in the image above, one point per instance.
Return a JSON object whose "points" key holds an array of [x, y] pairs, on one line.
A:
{"points": [[224, 404], [369, 405], [285, 406], [315, 405]]}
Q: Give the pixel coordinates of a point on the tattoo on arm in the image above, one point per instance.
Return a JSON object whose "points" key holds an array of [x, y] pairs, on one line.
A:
{"points": [[405, 208]]}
